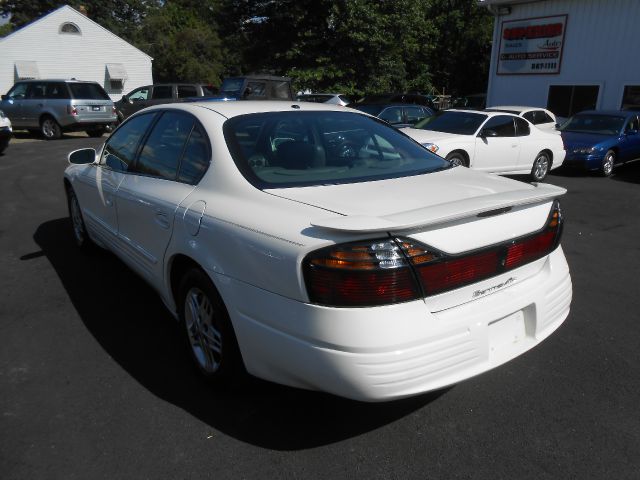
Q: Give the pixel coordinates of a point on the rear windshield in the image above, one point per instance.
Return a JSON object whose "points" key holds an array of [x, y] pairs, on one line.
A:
{"points": [[291, 149], [232, 86], [88, 91], [599, 124], [462, 123]]}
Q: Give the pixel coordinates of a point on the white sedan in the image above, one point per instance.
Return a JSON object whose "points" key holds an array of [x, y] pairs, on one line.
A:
{"points": [[494, 142], [5, 131], [317, 247]]}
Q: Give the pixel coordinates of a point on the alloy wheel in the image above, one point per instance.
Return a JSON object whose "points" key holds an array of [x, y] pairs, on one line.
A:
{"points": [[204, 335]]}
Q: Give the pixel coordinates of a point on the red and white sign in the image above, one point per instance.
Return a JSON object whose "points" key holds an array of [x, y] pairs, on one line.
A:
{"points": [[531, 46]]}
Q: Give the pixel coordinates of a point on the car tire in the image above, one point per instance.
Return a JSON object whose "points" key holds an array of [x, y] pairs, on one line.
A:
{"points": [[457, 158], [50, 129], [79, 230], [609, 160], [208, 332], [96, 132], [541, 166]]}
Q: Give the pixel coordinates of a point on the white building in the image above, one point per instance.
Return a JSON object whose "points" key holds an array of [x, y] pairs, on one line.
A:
{"points": [[566, 55], [66, 44]]}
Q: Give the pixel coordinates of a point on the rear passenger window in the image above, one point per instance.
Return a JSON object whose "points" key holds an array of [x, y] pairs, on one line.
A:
{"points": [[522, 127], [35, 90], [161, 153], [57, 90], [163, 91], [185, 91], [120, 150], [196, 157]]}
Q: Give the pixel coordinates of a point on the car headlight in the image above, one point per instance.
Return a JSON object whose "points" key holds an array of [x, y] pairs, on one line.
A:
{"points": [[432, 147]]}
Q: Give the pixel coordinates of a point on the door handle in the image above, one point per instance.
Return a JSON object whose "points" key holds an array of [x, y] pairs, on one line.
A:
{"points": [[162, 219], [108, 201]]}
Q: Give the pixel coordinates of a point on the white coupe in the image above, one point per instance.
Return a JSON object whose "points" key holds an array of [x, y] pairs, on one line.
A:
{"points": [[317, 247], [496, 142]]}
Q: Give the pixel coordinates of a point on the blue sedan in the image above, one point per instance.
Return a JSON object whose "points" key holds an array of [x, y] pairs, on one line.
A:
{"points": [[600, 140]]}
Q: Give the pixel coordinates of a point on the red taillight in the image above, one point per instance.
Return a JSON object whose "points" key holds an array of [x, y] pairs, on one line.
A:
{"points": [[360, 274], [113, 109], [386, 271]]}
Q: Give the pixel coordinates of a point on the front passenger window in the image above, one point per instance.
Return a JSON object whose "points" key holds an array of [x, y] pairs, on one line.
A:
{"points": [[502, 124], [120, 150], [161, 153]]}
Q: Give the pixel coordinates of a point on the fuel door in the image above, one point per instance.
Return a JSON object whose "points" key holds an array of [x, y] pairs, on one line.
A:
{"points": [[193, 217]]}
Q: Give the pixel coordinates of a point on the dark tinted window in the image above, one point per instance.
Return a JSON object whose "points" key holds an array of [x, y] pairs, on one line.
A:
{"points": [[209, 90], [120, 150], [196, 157], [255, 89], [187, 91], [88, 91], [286, 149], [391, 115], [566, 100], [415, 114], [632, 124], [502, 125], [522, 127], [36, 90], [162, 91], [56, 90], [463, 123], [631, 98], [161, 153]]}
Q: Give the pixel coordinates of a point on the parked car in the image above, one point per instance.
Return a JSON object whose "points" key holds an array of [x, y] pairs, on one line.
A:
{"points": [[330, 98], [319, 248], [475, 101], [5, 131], [411, 98], [601, 140], [255, 87], [397, 114], [540, 117], [161, 93], [490, 141], [56, 106]]}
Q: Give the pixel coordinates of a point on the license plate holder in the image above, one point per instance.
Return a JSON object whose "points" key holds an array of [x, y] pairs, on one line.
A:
{"points": [[96, 109], [506, 332]]}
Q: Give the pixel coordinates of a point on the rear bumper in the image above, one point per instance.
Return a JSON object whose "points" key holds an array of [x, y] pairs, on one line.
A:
{"points": [[87, 123], [396, 351], [5, 136]]}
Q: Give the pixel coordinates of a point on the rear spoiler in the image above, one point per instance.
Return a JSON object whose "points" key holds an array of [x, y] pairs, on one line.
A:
{"points": [[441, 213]]}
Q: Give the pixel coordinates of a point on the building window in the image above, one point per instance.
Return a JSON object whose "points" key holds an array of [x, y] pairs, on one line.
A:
{"points": [[630, 98], [71, 28], [116, 85], [566, 100]]}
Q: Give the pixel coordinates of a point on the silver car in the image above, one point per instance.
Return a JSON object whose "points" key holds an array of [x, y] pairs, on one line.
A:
{"points": [[55, 106]]}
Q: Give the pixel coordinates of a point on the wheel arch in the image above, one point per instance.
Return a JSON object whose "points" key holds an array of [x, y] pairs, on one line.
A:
{"points": [[463, 153], [178, 265], [549, 154]]}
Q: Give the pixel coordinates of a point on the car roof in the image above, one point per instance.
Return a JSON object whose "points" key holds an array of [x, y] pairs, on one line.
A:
{"points": [[243, 107], [519, 109], [66, 80], [480, 112]]}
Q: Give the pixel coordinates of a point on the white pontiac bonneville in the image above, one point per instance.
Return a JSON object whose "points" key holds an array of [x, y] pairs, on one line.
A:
{"points": [[491, 141], [317, 247]]}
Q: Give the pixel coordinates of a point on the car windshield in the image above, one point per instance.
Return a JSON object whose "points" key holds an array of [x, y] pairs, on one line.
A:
{"points": [[88, 91], [292, 149], [461, 123], [600, 124]]}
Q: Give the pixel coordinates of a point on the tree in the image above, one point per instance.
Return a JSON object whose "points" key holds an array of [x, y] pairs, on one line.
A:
{"points": [[183, 44]]}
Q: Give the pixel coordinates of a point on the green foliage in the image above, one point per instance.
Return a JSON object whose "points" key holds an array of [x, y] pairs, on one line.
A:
{"points": [[347, 46], [183, 45]]}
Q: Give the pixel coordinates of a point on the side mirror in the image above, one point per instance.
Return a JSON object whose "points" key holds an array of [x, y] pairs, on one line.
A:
{"points": [[82, 156], [247, 91], [488, 132], [124, 98]]}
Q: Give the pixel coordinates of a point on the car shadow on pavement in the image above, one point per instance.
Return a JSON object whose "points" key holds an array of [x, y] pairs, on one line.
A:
{"points": [[129, 321], [629, 173]]}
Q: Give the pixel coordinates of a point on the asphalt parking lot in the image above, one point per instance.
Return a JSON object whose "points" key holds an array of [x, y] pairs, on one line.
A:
{"points": [[94, 384]]}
